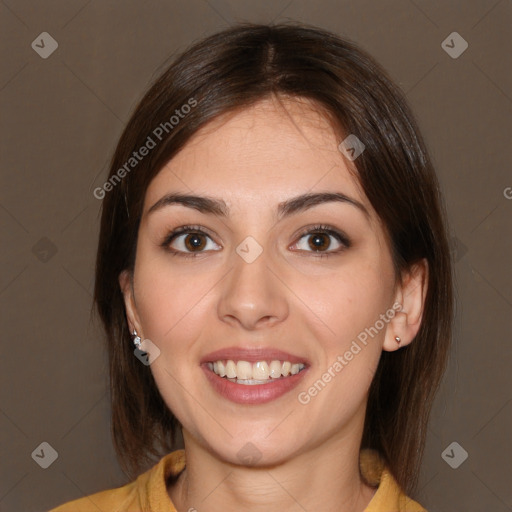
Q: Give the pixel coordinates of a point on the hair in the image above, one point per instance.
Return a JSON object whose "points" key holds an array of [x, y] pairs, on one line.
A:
{"points": [[231, 71]]}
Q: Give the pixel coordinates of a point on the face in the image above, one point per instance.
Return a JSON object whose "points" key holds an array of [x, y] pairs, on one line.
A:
{"points": [[259, 274]]}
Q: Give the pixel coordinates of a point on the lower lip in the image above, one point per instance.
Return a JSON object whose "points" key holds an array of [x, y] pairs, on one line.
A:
{"points": [[254, 394]]}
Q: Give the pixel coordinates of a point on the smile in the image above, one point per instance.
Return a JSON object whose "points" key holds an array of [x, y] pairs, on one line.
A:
{"points": [[250, 390], [259, 372]]}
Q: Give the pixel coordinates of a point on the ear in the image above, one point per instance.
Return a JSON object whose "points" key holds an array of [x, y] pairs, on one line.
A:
{"points": [[409, 304], [126, 284]]}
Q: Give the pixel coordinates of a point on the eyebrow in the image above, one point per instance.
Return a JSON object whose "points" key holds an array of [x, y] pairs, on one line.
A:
{"points": [[218, 207]]}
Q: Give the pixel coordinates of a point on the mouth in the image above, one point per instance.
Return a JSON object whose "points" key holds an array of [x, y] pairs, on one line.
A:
{"points": [[253, 376], [257, 373]]}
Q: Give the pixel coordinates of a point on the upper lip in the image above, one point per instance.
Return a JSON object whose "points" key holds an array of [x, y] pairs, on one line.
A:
{"points": [[252, 355]]}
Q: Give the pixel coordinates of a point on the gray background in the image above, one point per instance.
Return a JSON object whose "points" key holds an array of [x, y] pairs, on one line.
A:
{"points": [[61, 118]]}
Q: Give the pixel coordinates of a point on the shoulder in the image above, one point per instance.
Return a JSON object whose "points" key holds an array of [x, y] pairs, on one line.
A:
{"points": [[147, 492], [113, 500], [388, 496]]}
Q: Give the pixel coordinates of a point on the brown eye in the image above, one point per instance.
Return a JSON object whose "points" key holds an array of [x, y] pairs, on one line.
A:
{"points": [[195, 241], [320, 239], [189, 241]]}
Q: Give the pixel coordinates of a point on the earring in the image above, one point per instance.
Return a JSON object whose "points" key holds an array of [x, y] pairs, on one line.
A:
{"points": [[397, 339], [136, 339]]}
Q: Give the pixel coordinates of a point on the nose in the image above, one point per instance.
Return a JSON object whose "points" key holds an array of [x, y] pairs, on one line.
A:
{"points": [[252, 295]]}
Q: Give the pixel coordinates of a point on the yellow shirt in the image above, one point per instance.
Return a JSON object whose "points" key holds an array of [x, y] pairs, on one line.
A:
{"points": [[148, 493]]}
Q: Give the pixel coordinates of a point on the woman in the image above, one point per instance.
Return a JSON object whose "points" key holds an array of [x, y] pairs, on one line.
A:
{"points": [[274, 279]]}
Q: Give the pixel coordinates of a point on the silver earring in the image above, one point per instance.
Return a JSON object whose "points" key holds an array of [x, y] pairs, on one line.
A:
{"points": [[397, 339], [136, 339]]}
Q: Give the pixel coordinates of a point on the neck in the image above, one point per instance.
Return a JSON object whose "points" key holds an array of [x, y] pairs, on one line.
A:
{"points": [[325, 478]]}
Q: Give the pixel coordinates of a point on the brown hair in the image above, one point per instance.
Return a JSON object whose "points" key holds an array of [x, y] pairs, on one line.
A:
{"points": [[232, 70]]}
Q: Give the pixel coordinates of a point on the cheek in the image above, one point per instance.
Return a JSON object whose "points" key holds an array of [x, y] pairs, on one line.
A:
{"points": [[349, 302], [346, 300], [172, 299]]}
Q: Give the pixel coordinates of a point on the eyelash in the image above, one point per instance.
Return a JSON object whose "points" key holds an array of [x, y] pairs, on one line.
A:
{"points": [[320, 228]]}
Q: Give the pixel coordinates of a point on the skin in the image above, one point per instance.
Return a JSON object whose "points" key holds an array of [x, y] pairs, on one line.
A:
{"points": [[288, 298]]}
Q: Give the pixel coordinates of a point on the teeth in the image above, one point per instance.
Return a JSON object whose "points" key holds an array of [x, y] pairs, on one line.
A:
{"points": [[260, 372], [250, 382], [230, 370], [221, 369], [243, 370], [294, 369], [275, 369]]}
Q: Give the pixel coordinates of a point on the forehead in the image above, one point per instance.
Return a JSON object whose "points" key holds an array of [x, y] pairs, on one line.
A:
{"points": [[264, 153]]}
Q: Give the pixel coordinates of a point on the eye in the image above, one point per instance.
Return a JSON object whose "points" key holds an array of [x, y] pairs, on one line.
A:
{"points": [[322, 239], [187, 240]]}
